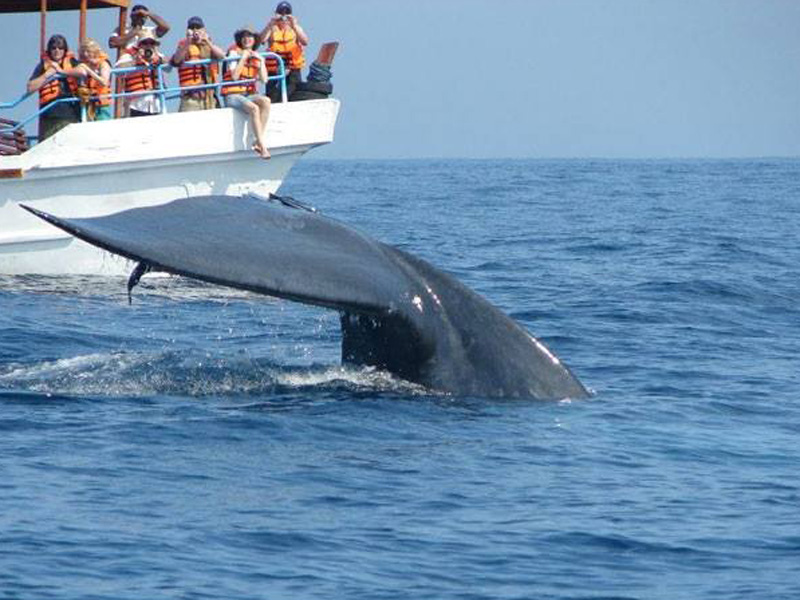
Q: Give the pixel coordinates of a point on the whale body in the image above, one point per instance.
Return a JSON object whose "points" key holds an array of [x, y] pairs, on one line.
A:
{"points": [[398, 312]]}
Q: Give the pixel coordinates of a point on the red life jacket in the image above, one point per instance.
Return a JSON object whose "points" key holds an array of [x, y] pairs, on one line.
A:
{"points": [[143, 79], [100, 94], [285, 44], [191, 75], [53, 90], [249, 71]]}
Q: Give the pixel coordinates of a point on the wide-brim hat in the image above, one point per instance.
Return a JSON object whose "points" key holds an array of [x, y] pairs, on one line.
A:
{"points": [[246, 29], [147, 38]]}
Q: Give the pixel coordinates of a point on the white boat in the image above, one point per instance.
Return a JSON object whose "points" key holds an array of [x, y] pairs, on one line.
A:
{"points": [[92, 169], [98, 168]]}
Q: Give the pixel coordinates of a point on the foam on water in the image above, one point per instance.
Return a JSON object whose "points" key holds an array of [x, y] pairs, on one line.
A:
{"points": [[132, 374]]}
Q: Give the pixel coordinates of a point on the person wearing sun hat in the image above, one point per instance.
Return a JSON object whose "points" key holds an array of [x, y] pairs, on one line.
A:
{"points": [[146, 57], [284, 36], [240, 79]]}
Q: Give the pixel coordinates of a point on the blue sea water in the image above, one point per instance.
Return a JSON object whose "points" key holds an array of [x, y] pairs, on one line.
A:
{"points": [[204, 443]]}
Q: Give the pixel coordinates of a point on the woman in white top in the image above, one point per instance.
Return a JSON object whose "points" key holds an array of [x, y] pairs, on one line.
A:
{"points": [[249, 69]]}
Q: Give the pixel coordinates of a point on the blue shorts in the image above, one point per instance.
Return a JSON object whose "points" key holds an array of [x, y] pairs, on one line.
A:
{"points": [[237, 100]]}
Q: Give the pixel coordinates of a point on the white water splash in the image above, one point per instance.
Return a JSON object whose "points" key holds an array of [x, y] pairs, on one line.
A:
{"points": [[133, 374]]}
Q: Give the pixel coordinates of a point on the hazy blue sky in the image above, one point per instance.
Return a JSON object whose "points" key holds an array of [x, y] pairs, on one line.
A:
{"points": [[525, 78]]}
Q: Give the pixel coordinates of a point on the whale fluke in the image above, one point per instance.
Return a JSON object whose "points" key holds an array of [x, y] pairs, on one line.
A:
{"points": [[398, 312]]}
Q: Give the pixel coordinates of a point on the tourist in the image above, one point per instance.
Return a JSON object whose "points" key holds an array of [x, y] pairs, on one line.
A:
{"points": [[140, 14], [94, 72], [197, 45], [248, 68], [284, 36], [50, 81], [147, 58]]}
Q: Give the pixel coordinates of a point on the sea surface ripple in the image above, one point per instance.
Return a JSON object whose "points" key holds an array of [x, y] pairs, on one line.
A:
{"points": [[203, 443]]}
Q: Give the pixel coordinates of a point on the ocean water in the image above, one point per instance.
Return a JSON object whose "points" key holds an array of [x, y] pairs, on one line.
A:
{"points": [[204, 443]]}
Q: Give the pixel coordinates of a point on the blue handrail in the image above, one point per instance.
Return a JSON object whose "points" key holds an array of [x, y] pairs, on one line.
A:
{"points": [[164, 93]]}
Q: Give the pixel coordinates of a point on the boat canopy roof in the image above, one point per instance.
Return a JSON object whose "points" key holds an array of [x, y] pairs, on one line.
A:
{"points": [[20, 6]]}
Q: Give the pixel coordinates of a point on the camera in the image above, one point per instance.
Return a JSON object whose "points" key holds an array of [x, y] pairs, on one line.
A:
{"points": [[148, 53]]}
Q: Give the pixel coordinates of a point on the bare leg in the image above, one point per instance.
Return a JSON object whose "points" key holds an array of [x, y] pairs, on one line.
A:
{"points": [[254, 112], [263, 104]]}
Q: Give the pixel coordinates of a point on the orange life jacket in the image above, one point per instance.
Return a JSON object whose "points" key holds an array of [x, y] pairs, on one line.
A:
{"points": [[100, 94], [249, 71], [143, 79], [191, 75], [285, 45], [53, 90]]}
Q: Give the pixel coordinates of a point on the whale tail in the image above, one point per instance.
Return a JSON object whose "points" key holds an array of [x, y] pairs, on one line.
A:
{"points": [[398, 312]]}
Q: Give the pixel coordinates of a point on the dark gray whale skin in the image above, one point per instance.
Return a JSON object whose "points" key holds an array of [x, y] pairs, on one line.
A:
{"points": [[398, 312]]}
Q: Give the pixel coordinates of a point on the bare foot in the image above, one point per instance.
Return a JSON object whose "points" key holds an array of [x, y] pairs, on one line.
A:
{"points": [[261, 151]]}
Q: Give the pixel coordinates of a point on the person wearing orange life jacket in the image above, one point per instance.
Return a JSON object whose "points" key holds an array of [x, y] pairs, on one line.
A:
{"points": [[145, 78], [242, 96], [197, 45], [94, 74], [50, 80], [284, 36]]}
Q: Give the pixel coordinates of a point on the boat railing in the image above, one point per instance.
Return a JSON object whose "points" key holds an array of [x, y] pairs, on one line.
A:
{"points": [[12, 129]]}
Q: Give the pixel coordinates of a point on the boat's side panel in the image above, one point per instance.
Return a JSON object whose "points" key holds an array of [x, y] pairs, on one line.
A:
{"points": [[164, 158], [28, 245], [185, 135]]}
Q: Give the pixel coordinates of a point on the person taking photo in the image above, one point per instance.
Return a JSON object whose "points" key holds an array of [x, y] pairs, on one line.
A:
{"points": [[284, 36], [197, 45], [139, 29]]}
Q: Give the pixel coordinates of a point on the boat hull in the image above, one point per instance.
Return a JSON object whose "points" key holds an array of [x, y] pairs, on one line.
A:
{"points": [[93, 169]]}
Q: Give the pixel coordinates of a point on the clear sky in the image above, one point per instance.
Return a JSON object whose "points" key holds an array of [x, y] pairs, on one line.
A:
{"points": [[523, 78]]}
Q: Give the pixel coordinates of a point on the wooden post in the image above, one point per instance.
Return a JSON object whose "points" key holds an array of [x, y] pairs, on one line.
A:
{"points": [[42, 26], [123, 20], [82, 34]]}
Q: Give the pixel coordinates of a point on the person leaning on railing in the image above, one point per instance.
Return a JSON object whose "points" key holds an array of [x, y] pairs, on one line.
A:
{"points": [[49, 79], [284, 36], [243, 96], [94, 75], [197, 45], [146, 60]]}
